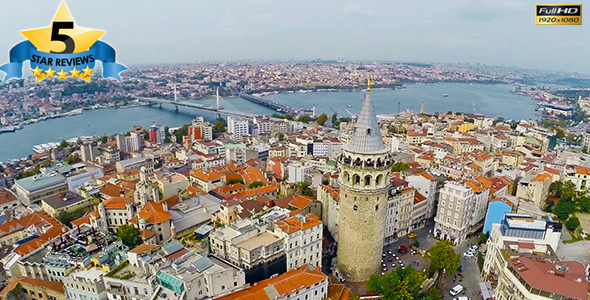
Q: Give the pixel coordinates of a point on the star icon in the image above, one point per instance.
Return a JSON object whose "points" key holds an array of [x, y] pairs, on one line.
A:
{"points": [[62, 75], [50, 72], [41, 77], [87, 71], [37, 72], [77, 39], [75, 73]]}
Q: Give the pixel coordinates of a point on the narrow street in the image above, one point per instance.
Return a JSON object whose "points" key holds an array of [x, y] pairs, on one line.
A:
{"points": [[469, 276]]}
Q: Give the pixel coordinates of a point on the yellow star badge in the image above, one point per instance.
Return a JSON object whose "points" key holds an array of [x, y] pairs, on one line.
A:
{"points": [[75, 73], [87, 72], [41, 77], [37, 72], [50, 72], [62, 75], [63, 36]]}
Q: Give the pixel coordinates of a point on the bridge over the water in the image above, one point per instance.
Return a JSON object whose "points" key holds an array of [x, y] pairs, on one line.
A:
{"points": [[190, 104], [285, 109]]}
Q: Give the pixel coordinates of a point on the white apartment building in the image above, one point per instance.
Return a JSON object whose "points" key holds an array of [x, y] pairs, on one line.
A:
{"points": [[519, 228], [425, 184], [302, 236], [455, 208], [85, 285], [399, 213], [238, 127]]}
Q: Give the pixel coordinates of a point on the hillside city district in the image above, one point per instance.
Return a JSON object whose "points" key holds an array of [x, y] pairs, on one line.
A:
{"points": [[413, 205]]}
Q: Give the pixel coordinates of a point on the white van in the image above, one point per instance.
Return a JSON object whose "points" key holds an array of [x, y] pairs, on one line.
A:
{"points": [[456, 290]]}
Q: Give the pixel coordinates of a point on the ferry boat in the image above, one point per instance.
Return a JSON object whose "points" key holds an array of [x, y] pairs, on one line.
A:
{"points": [[445, 95]]}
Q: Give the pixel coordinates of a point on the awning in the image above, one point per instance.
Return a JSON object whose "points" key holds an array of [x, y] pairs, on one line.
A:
{"points": [[486, 290]]}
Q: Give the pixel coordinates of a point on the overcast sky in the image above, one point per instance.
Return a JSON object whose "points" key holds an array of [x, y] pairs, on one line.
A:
{"points": [[500, 32]]}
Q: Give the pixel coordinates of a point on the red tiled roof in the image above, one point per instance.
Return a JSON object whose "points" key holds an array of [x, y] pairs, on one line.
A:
{"points": [[285, 284], [252, 174], [45, 284], [6, 196], [294, 223], [301, 201], [143, 248], [544, 275], [116, 202], [154, 213]]}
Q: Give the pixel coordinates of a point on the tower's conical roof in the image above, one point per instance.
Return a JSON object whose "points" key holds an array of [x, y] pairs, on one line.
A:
{"points": [[367, 134]]}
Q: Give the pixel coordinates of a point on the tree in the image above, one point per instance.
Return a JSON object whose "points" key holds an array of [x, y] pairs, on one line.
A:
{"points": [[399, 166], [255, 184], [584, 203], [281, 136], [79, 142], [321, 120], [66, 217], [483, 238], [235, 180], [104, 139], [219, 126], [335, 121], [167, 135], [303, 188], [572, 223], [559, 133], [129, 235], [400, 284], [305, 118], [564, 209], [70, 160], [443, 257], [64, 144], [179, 133], [585, 149]]}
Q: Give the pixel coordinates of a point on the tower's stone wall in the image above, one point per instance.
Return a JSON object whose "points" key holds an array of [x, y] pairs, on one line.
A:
{"points": [[364, 181]]}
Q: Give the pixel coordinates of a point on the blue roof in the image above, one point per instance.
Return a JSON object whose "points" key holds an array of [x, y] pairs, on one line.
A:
{"points": [[202, 264], [172, 246], [40, 181]]}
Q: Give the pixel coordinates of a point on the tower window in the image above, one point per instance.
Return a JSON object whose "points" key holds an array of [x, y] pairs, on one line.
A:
{"points": [[356, 207], [369, 131], [377, 207], [356, 179]]}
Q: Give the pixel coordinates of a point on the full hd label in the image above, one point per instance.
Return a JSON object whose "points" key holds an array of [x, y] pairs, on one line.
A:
{"points": [[558, 14]]}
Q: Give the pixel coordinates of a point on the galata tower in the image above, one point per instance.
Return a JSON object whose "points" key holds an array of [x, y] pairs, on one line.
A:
{"points": [[364, 183]]}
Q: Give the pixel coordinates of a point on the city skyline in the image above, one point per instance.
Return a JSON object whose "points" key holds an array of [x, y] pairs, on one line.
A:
{"points": [[500, 33]]}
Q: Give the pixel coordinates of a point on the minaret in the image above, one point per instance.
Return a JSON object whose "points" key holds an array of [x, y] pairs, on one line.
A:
{"points": [[364, 166]]}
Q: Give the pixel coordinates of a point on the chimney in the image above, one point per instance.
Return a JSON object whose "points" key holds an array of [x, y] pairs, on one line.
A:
{"points": [[165, 205], [121, 193]]}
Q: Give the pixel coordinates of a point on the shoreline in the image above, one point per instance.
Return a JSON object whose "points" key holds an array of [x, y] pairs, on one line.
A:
{"points": [[141, 104]]}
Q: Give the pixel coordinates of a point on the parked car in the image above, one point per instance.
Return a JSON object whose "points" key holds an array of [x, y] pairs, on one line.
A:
{"points": [[461, 298], [468, 254], [456, 290], [412, 235], [402, 249]]}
